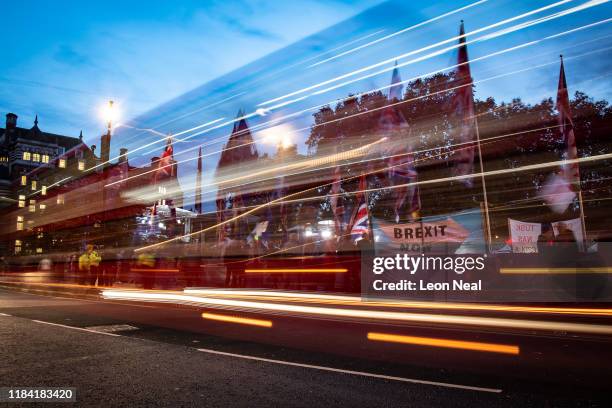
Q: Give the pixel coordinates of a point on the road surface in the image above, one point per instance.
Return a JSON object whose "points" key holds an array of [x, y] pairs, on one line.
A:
{"points": [[118, 354]]}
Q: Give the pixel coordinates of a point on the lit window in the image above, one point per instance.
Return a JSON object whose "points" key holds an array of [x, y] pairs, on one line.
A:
{"points": [[43, 190], [20, 218], [45, 158], [81, 165], [20, 223], [60, 199], [36, 157], [39, 250], [24, 180], [33, 185], [32, 205], [17, 246], [62, 163], [21, 201], [43, 206], [27, 156]]}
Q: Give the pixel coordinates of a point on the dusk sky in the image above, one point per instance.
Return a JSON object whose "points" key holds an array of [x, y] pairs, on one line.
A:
{"points": [[175, 67], [63, 59]]}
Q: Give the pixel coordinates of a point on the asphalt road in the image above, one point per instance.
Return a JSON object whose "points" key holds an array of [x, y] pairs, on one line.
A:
{"points": [[144, 355]]}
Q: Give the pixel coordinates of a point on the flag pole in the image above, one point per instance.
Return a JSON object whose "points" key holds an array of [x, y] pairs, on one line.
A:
{"points": [[484, 187]]}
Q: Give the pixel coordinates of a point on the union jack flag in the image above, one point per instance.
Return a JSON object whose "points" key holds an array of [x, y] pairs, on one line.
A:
{"points": [[361, 219]]}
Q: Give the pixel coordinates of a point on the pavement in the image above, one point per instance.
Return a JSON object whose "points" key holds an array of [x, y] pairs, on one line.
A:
{"points": [[137, 354]]}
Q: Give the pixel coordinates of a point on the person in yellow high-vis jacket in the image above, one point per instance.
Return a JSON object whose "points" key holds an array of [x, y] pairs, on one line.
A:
{"points": [[89, 265]]}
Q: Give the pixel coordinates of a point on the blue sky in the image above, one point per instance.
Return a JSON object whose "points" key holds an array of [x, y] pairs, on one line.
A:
{"points": [[174, 68], [63, 59]]}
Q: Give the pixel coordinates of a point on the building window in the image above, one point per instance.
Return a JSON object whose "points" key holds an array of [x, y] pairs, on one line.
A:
{"points": [[60, 199], [21, 201], [17, 246], [43, 206], [36, 157], [24, 180], [62, 163], [20, 223], [45, 158], [27, 156], [32, 205], [43, 190], [81, 165], [33, 185], [39, 250]]}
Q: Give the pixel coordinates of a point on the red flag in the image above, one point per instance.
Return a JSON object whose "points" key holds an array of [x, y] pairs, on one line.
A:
{"points": [[165, 165], [570, 172], [464, 109]]}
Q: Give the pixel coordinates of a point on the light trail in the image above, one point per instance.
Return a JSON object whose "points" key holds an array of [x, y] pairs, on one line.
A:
{"points": [[297, 270], [402, 31], [271, 295], [440, 52], [445, 343], [418, 183], [591, 3], [238, 320], [495, 322], [154, 142], [555, 271], [274, 122], [355, 115]]}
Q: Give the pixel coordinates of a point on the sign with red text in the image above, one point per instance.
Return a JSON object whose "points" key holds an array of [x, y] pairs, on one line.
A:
{"points": [[524, 236]]}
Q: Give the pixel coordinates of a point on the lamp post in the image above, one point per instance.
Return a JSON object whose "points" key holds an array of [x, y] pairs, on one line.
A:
{"points": [[109, 114]]}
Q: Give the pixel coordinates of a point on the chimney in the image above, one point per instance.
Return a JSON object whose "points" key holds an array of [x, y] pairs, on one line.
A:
{"points": [[11, 121], [123, 155], [93, 149], [105, 147]]}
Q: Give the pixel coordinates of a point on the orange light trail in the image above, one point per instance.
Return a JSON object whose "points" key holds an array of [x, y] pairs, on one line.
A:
{"points": [[353, 313], [357, 301], [304, 270], [445, 343], [238, 320], [554, 271]]}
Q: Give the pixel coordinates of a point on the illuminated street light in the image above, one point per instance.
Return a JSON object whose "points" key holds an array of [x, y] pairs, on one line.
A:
{"points": [[109, 114]]}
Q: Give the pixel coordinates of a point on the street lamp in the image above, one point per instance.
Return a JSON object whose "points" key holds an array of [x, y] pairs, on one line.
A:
{"points": [[109, 114]]}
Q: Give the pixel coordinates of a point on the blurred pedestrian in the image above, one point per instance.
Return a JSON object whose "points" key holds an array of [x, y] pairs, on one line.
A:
{"points": [[89, 265]]}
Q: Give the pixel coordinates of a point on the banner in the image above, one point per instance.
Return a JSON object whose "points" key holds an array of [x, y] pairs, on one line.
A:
{"points": [[458, 233], [524, 236]]}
